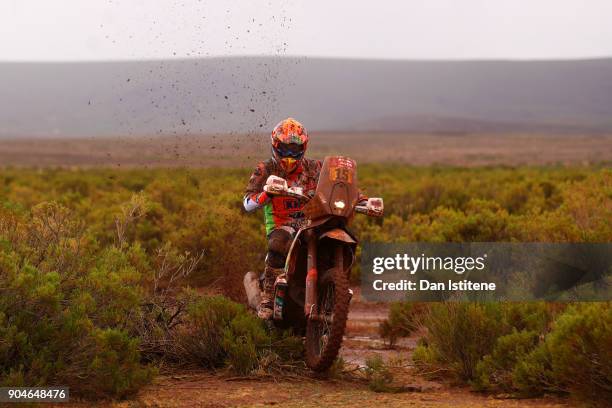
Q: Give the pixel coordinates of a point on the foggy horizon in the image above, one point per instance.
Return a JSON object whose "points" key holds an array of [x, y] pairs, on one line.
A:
{"points": [[472, 30], [248, 94], [310, 57]]}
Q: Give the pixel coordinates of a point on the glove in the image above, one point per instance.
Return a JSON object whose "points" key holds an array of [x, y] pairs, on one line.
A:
{"points": [[275, 185], [262, 198]]}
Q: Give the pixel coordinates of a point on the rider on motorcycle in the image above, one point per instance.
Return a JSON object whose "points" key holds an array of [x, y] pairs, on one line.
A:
{"points": [[282, 214]]}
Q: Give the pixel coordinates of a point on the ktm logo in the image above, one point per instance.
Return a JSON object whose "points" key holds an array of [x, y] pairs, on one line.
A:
{"points": [[292, 204], [285, 204]]}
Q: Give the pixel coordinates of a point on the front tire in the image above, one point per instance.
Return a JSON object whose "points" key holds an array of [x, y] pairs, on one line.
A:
{"points": [[324, 335]]}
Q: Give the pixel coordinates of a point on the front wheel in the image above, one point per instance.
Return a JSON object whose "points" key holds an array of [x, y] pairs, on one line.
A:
{"points": [[324, 333]]}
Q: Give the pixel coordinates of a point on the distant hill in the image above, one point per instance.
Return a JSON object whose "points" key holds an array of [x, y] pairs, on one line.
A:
{"points": [[249, 94]]}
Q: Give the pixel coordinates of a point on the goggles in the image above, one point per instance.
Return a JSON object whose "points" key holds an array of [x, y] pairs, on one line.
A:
{"points": [[290, 150]]}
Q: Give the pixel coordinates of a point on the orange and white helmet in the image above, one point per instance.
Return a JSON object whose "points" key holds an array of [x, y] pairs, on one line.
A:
{"points": [[289, 141]]}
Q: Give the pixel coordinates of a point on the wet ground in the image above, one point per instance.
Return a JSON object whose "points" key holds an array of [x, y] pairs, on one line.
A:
{"points": [[362, 339]]}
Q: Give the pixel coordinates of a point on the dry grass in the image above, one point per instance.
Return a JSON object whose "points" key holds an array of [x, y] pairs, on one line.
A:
{"points": [[244, 150]]}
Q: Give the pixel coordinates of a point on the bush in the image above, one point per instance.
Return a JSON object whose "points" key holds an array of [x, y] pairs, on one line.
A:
{"points": [[378, 374], [427, 361], [532, 375], [403, 320], [83, 255], [98, 317], [528, 349], [458, 336], [530, 316], [580, 350], [495, 370], [570, 357], [65, 309], [200, 210], [527, 324], [243, 341], [218, 332], [109, 366]]}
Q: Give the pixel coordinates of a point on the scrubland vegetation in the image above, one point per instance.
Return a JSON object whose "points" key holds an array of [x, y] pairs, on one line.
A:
{"points": [[522, 349], [94, 265]]}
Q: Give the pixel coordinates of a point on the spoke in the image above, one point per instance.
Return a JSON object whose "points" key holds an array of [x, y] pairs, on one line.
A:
{"points": [[325, 317]]}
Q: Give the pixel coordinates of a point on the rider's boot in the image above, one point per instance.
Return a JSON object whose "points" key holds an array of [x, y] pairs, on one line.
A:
{"points": [[265, 309]]}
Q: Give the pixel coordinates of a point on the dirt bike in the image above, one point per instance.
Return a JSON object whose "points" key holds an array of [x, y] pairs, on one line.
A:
{"points": [[313, 294]]}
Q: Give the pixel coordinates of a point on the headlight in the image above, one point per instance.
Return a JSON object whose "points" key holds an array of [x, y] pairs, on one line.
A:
{"points": [[339, 204]]}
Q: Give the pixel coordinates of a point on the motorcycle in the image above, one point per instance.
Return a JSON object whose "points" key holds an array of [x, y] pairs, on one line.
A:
{"points": [[312, 296]]}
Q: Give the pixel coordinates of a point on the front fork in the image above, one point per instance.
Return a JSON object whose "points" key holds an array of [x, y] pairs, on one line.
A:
{"points": [[310, 301]]}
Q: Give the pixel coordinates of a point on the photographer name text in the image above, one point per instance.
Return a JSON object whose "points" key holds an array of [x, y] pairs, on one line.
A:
{"points": [[424, 284], [413, 264]]}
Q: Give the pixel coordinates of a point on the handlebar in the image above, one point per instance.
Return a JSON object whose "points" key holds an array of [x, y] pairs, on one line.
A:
{"points": [[361, 209], [278, 186], [364, 209], [288, 192]]}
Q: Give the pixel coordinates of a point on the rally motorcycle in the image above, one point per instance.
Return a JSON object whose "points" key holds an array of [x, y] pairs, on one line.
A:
{"points": [[312, 295]]}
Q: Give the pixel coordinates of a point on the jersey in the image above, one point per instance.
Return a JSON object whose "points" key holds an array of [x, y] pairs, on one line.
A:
{"points": [[278, 210]]}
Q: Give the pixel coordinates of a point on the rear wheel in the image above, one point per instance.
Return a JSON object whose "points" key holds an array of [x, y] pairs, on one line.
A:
{"points": [[325, 332]]}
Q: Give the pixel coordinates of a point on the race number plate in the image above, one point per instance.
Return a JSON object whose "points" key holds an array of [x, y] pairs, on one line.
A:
{"points": [[341, 169]]}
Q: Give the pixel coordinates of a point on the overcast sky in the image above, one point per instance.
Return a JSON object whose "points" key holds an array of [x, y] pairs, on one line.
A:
{"points": [[58, 30]]}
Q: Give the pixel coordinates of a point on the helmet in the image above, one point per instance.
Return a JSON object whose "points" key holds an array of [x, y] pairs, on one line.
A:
{"points": [[289, 140]]}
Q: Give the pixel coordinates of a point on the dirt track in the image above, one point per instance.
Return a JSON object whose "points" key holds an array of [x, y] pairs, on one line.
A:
{"points": [[204, 389]]}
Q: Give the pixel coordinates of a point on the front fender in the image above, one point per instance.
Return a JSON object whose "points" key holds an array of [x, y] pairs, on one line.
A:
{"points": [[339, 234]]}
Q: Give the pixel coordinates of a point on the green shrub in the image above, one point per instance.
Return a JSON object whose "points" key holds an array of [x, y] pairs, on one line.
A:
{"points": [[574, 357], [522, 348], [532, 375], [71, 270], [530, 316], [241, 341], [460, 334], [285, 354], [494, 371], [97, 317], [200, 339], [109, 365], [65, 308], [427, 361], [219, 332], [402, 321], [378, 374], [580, 347], [516, 351], [49, 336]]}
